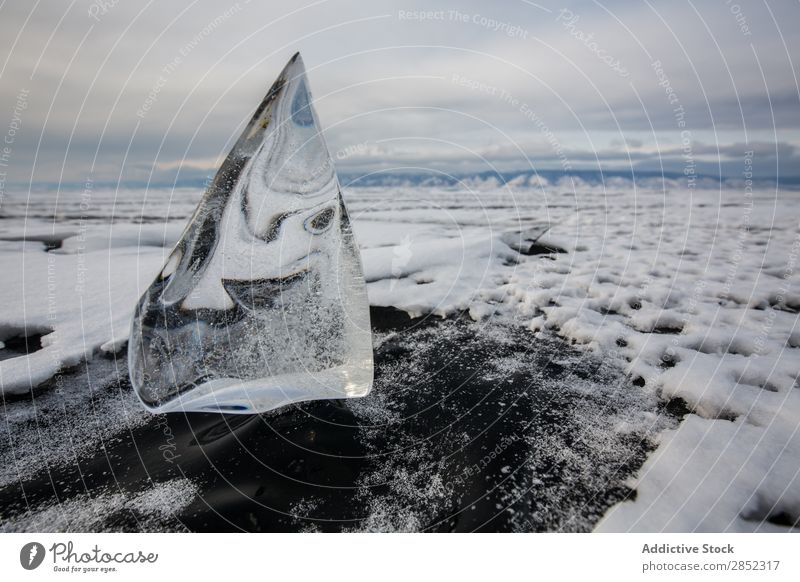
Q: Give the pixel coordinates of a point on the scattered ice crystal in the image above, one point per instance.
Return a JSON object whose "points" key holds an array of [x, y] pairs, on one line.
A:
{"points": [[262, 302]]}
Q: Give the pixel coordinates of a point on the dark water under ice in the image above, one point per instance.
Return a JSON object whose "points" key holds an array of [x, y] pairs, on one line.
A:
{"points": [[469, 427]]}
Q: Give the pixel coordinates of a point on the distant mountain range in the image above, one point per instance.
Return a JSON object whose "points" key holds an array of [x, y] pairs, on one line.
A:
{"points": [[482, 180], [547, 177]]}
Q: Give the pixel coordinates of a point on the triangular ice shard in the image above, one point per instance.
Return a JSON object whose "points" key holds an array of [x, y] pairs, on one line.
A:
{"points": [[263, 301]]}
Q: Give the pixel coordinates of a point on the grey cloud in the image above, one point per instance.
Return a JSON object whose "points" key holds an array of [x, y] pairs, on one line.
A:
{"points": [[377, 78]]}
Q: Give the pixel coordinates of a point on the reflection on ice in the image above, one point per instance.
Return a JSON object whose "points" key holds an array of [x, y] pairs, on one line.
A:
{"points": [[262, 302]]}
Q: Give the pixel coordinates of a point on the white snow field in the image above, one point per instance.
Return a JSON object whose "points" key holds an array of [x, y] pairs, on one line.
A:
{"points": [[693, 293]]}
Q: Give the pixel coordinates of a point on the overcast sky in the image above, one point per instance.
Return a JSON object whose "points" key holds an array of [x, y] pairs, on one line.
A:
{"points": [[146, 90]]}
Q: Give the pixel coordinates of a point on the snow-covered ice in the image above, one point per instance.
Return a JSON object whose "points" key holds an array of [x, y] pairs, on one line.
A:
{"points": [[153, 510], [692, 293]]}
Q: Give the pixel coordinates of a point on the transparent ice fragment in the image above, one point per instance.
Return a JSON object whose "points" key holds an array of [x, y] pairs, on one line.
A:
{"points": [[263, 301]]}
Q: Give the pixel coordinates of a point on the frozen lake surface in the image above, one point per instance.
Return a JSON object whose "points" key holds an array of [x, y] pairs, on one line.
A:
{"points": [[633, 368]]}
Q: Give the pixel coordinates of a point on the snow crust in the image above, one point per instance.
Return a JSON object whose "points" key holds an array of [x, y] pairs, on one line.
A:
{"points": [[694, 293], [152, 510]]}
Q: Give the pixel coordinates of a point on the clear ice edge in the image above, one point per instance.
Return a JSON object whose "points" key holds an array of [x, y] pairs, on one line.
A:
{"points": [[262, 302]]}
